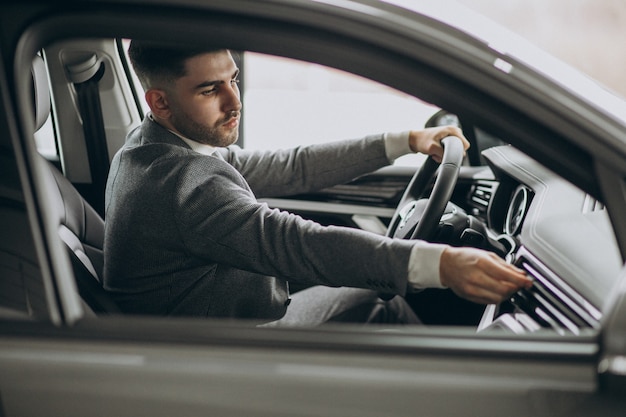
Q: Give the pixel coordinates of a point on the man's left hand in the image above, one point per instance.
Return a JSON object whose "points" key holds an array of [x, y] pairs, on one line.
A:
{"points": [[428, 141]]}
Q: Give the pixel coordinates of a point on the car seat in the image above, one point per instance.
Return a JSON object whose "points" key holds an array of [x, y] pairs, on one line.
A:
{"points": [[79, 225]]}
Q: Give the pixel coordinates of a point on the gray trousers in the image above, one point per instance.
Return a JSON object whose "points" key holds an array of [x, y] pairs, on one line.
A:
{"points": [[316, 305]]}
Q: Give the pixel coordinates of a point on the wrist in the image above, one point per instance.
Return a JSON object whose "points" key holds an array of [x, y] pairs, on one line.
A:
{"points": [[424, 266], [396, 145]]}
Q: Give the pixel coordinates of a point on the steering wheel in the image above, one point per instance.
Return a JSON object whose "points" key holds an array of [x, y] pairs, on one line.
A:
{"points": [[417, 217]]}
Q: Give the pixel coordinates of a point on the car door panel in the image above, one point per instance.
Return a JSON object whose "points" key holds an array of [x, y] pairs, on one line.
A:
{"points": [[118, 368]]}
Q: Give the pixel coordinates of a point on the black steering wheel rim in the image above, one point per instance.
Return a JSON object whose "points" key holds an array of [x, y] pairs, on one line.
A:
{"points": [[414, 211]]}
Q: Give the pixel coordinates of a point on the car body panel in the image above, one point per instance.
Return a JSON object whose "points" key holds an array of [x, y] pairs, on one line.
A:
{"points": [[241, 371]]}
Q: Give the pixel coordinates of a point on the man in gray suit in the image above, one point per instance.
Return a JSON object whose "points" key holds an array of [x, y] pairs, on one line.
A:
{"points": [[185, 234]]}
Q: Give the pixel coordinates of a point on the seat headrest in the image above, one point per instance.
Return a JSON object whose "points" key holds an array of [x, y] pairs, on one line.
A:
{"points": [[41, 91]]}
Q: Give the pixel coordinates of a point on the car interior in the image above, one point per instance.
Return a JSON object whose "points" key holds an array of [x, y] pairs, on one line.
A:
{"points": [[502, 198], [542, 186], [80, 227]]}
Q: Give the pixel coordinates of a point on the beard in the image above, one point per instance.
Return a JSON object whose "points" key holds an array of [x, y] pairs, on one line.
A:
{"points": [[217, 135]]}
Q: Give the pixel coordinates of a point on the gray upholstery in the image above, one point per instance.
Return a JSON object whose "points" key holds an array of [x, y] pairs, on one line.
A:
{"points": [[79, 225]]}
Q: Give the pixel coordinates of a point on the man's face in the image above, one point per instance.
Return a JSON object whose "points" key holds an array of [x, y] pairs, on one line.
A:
{"points": [[205, 104]]}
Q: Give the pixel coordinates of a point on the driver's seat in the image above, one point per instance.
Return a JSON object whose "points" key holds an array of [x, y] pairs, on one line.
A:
{"points": [[79, 225]]}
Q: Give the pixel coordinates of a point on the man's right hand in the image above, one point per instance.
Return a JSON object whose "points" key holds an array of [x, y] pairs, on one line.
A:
{"points": [[480, 276]]}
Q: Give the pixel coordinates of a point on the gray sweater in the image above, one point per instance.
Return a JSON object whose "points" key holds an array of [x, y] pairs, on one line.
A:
{"points": [[185, 234]]}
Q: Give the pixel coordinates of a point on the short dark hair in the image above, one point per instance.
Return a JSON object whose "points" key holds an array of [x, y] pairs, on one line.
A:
{"points": [[159, 64]]}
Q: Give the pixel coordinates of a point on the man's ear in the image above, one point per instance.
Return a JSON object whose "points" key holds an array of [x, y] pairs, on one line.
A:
{"points": [[158, 103]]}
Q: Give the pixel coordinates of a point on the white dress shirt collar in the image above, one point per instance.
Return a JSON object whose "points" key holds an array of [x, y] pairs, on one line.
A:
{"points": [[197, 146]]}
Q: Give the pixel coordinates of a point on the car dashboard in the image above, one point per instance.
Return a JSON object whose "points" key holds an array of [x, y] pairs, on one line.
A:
{"points": [[558, 234]]}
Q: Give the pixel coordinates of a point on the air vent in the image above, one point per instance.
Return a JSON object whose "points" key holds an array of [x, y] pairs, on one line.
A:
{"points": [[591, 205], [551, 303], [480, 196]]}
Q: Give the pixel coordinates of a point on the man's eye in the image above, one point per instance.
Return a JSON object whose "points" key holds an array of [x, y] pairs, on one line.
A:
{"points": [[208, 92]]}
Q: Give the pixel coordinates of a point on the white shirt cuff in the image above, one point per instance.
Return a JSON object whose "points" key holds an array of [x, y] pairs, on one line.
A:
{"points": [[424, 266], [396, 145]]}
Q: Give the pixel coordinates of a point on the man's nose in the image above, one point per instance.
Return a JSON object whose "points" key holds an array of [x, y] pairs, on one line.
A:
{"points": [[232, 98]]}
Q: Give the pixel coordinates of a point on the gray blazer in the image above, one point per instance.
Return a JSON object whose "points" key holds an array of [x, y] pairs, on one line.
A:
{"points": [[185, 234]]}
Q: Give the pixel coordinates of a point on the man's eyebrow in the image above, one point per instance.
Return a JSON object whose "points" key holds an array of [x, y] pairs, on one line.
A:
{"points": [[206, 84]]}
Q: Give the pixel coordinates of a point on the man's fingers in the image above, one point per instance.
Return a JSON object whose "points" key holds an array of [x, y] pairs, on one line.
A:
{"points": [[453, 131], [428, 141], [481, 276], [491, 294], [503, 271]]}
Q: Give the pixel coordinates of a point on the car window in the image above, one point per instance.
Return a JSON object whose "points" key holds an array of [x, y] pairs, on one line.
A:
{"points": [[289, 102], [286, 92]]}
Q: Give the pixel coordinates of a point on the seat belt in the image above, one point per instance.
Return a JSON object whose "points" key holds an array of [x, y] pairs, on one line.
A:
{"points": [[86, 75]]}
